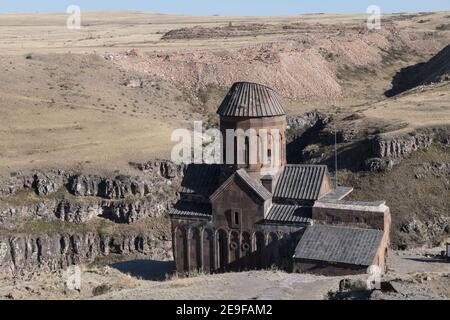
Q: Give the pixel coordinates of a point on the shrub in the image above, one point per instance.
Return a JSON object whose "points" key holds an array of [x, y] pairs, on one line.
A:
{"points": [[101, 289]]}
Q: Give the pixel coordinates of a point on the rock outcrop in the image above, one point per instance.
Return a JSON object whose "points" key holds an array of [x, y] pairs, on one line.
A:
{"points": [[400, 146], [80, 184], [307, 120], [53, 209], [387, 152], [119, 187], [434, 169], [163, 168], [72, 197], [78, 197], [47, 183], [432, 231], [364, 147], [19, 254]]}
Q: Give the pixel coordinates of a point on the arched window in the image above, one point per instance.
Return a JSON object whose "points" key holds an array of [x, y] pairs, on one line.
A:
{"points": [[236, 158], [247, 152], [261, 148], [241, 150], [236, 218], [269, 148], [281, 148], [265, 148]]}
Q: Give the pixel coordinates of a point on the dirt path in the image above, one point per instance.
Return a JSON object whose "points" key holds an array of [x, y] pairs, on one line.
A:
{"points": [[267, 285]]}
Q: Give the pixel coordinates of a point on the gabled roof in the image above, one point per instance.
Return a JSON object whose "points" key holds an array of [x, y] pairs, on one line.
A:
{"points": [[300, 182], [254, 185], [191, 209], [337, 194], [200, 179], [251, 100], [339, 244], [285, 213]]}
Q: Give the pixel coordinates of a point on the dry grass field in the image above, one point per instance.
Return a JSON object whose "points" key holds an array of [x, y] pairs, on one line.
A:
{"points": [[119, 31], [64, 102]]}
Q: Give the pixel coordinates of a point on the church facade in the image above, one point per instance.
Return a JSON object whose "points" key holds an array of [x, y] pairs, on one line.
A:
{"points": [[256, 212]]}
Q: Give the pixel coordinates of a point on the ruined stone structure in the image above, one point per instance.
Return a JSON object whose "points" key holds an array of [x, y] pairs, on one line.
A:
{"points": [[248, 214]]}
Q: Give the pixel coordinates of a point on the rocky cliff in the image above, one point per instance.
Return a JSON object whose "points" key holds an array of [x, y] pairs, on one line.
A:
{"points": [[81, 200], [78, 197], [386, 152], [20, 254], [361, 144]]}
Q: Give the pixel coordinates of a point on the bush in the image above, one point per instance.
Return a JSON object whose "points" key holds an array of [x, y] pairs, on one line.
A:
{"points": [[101, 289], [352, 285]]}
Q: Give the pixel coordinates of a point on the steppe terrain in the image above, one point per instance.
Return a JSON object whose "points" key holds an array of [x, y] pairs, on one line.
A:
{"points": [[65, 102], [98, 106]]}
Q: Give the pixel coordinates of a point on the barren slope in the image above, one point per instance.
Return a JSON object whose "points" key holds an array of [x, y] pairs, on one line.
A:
{"points": [[67, 109], [73, 110]]}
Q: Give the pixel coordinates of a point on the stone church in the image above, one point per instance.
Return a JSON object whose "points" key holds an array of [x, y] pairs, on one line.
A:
{"points": [[237, 216]]}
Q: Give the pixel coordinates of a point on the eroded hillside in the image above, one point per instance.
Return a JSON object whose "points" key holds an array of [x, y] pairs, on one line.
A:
{"points": [[114, 99]]}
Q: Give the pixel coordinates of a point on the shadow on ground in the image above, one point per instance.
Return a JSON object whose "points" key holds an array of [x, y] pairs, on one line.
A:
{"points": [[407, 78], [429, 260], [436, 69], [146, 269]]}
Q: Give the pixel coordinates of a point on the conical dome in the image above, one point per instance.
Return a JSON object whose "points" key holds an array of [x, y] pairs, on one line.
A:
{"points": [[251, 100]]}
